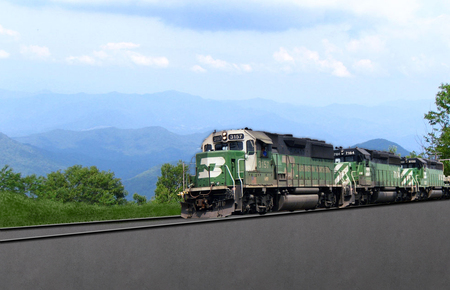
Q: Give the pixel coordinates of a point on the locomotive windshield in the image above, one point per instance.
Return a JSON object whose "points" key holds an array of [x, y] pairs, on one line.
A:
{"points": [[234, 145]]}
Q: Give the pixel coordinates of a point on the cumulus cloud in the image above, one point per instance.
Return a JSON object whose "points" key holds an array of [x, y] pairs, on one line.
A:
{"points": [[282, 55], [368, 43], [120, 45], [198, 69], [3, 54], [119, 53], [84, 59], [303, 58], [223, 65], [35, 51], [140, 59], [8, 32], [364, 65]]}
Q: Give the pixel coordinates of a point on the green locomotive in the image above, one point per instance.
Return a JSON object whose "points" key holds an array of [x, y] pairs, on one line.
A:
{"points": [[423, 178], [367, 176], [246, 171]]}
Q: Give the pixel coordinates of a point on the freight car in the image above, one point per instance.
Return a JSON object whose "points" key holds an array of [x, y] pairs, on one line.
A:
{"points": [[246, 171]]}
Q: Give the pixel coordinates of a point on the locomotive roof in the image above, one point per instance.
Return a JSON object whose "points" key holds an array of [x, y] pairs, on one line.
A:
{"points": [[430, 163], [352, 151], [260, 136], [369, 154]]}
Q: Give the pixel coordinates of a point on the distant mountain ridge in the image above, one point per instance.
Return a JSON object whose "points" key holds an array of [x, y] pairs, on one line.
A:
{"points": [[134, 155], [127, 152], [382, 145], [28, 159], [181, 113]]}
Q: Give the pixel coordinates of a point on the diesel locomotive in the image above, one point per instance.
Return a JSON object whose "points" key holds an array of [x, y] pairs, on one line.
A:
{"points": [[245, 171]]}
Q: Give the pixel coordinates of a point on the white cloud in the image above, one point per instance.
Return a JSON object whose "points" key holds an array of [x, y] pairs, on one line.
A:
{"points": [[198, 69], [84, 59], [246, 67], [120, 45], [35, 51], [215, 63], [100, 54], [368, 43], [365, 65], [119, 54], [3, 54], [304, 58], [395, 11], [223, 65], [282, 55], [140, 59], [8, 32]]}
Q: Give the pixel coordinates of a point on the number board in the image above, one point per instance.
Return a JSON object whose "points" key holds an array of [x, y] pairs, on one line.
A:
{"points": [[217, 139], [236, 137]]}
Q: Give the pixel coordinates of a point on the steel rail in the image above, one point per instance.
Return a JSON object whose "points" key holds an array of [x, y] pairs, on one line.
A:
{"points": [[201, 221], [89, 223]]}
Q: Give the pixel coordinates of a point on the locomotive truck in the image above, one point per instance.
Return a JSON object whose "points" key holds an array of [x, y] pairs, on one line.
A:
{"points": [[245, 171]]}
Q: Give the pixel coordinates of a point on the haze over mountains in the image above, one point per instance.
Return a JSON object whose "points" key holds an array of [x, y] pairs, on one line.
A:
{"points": [[133, 135], [23, 114]]}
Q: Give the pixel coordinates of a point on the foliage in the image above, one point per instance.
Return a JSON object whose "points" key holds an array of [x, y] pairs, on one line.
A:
{"points": [[83, 184], [139, 199], [11, 181], [19, 210], [170, 183], [393, 149], [14, 182], [439, 137], [413, 154]]}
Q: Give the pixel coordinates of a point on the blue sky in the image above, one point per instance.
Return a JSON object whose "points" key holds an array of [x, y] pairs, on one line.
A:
{"points": [[314, 52]]}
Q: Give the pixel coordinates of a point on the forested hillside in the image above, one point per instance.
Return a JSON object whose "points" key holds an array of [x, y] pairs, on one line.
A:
{"points": [[135, 156]]}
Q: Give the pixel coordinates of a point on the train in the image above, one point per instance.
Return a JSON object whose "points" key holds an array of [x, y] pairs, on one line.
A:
{"points": [[244, 171]]}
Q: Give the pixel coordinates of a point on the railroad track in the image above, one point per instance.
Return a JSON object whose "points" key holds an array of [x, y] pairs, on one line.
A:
{"points": [[55, 230], [28, 233]]}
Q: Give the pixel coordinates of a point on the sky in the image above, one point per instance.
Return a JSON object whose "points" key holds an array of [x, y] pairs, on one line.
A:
{"points": [[311, 52]]}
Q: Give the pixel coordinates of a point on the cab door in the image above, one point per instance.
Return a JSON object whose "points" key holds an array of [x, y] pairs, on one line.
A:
{"points": [[250, 160]]}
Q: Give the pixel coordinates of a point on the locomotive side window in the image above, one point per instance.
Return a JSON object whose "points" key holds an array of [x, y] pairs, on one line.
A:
{"points": [[250, 147], [265, 149], [349, 158], [207, 147]]}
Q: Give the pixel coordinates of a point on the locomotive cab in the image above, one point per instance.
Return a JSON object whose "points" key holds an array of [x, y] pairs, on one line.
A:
{"points": [[352, 166], [424, 176], [220, 170]]}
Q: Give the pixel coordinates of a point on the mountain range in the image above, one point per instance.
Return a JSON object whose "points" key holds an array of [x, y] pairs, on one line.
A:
{"points": [[24, 114]]}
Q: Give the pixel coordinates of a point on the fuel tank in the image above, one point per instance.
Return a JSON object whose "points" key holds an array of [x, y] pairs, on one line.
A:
{"points": [[384, 196], [297, 202]]}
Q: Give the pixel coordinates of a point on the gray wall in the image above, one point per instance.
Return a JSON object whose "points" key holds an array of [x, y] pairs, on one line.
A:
{"points": [[390, 247]]}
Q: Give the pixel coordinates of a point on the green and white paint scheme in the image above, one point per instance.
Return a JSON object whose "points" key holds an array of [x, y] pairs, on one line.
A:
{"points": [[422, 175]]}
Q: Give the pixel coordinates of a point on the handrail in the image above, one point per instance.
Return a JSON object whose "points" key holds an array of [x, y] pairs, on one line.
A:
{"points": [[234, 184], [239, 175]]}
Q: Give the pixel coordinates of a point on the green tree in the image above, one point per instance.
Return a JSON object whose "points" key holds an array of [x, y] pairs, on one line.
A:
{"points": [[14, 182], [83, 184], [414, 154], [393, 149], [10, 181], [139, 199], [170, 183], [439, 137]]}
